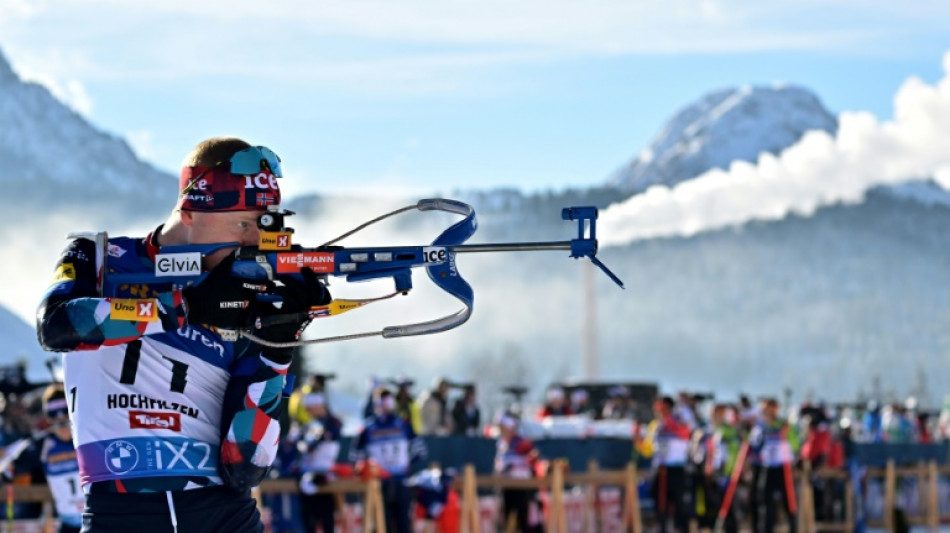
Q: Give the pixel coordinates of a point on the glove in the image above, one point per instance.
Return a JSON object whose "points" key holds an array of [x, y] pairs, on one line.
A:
{"points": [[221, 300], [285, 320]]}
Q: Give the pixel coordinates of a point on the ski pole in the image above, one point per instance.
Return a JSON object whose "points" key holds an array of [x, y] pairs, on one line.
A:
{"points": [[733, 483]]}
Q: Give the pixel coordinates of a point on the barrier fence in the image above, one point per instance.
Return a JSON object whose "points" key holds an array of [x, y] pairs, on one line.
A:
{"points": [[916, 491]]}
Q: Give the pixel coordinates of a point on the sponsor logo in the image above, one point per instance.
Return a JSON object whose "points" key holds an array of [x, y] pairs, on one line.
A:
{"points": [[321, 262], [121, 457], [239, 304], [183, 264], [149, 420], [201, 198], [263, 180], [78, 255], [134, 310], [275, 240], [116, 250], [141, 401], [257, 287], [64, 272], [193, 334], [201, 185], [434, 254]]}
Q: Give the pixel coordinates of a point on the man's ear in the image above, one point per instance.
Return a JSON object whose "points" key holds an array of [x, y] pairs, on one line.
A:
{"points": [[187, 217]]}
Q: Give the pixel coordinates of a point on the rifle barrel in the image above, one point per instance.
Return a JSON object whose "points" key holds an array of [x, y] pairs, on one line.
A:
{"points": [[511, 247]]}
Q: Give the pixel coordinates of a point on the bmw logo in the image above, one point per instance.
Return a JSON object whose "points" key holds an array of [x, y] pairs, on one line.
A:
{"points": [[121, 457]]}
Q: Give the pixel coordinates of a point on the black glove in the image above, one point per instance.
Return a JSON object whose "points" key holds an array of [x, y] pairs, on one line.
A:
{"points": [[222, 300], [285, 320]]}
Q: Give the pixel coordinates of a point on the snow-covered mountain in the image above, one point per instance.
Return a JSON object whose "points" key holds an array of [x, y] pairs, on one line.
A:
{"points": [[722, 127], [50, 153], [19, 344]]}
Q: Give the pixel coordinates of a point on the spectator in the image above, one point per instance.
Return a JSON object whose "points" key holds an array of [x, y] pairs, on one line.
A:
{"points": [[556, 404], [685, 409], [315, 383], [465, 413], [667, 444], [406, 406], [873, 425], [580, 402], [748, 413], [319, 447], [435, 415], [619, 405], [896, 425], [515, 456]]}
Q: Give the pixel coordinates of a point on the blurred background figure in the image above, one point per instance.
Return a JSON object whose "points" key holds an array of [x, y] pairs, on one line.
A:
{"points": [[580, 403], [466, 416], [315, 383], [748, 413], [872, 423], [406, 406], [516, 456], [667, 444], [555, 404], [619, 404], [434, 413], [388, 442], [685, 409], [773, 444], [319, 447], [60, 465]]}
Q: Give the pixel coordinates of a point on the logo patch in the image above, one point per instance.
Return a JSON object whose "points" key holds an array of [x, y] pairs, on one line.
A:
{"points": [[65, 272], [320, 262], [434, 254], [134, 310], [121, 457], [275, 240], [182, 264], [151, 420], [116, 250]]}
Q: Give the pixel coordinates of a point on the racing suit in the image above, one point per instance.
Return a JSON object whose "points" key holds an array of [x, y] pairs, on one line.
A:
{"points": [[667, 443], [390, 442], [774, 445], [62, 477], [157, 404], [320, 443]]}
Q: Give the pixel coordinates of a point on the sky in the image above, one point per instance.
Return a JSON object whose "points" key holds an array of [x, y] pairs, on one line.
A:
{"points": [[425, 95]]}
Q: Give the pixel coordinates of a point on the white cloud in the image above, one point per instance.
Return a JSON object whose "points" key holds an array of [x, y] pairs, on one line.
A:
{"points": [[13, 10], [819, 170]]}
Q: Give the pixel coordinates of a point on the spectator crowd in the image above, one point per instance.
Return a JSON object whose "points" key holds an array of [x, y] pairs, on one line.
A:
{"points": [[710, 461]]}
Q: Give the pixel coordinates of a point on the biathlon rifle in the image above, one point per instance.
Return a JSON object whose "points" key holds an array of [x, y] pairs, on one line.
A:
{"points": [[277, 256]]}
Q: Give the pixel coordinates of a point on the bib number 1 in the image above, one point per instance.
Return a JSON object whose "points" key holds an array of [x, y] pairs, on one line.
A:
{"points": [[130, 367]]}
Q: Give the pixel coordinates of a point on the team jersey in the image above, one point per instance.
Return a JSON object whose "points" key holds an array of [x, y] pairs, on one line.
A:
{"points": [[715, 451], [667, 442], [774, 444], [390, 442], [62, 477], [148, 393], [514, 457]]}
